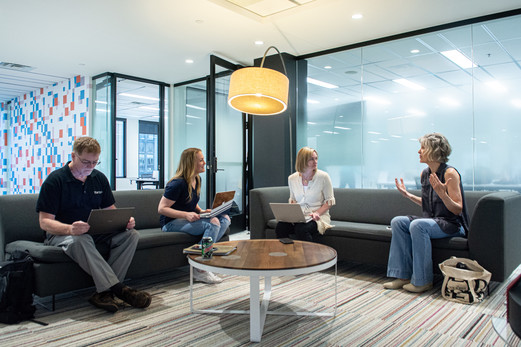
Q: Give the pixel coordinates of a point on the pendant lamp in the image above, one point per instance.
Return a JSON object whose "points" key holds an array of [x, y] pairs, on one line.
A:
{"points": [[259, 90]]}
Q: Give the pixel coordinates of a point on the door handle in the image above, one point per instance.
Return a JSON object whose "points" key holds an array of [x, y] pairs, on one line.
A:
{"points": [[214, 165]]}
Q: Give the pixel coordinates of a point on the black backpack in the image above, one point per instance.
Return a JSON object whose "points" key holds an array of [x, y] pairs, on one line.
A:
{"points": [[16, 288]]}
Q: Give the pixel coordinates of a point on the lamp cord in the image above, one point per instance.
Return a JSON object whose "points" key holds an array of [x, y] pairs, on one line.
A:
{"points": [[280, 55]]}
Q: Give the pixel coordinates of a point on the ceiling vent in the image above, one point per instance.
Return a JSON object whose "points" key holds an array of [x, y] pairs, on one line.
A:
{"points": [[16, 67], [261, 8]]}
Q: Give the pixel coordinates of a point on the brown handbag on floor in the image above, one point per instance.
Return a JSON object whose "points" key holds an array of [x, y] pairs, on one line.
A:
{"points": [[465, 280]]}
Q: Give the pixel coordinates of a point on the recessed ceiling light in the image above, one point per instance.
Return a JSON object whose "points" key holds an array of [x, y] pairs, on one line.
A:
{"points": [[496, 86], [321, 83], [415, 112], [449, 101], [196, 107], [458, 58], [377, 100], [149, 108], [408, 84], [414, 51], [258, 43], [139, 96], [189, 61], [327, 67], [357, 16]]}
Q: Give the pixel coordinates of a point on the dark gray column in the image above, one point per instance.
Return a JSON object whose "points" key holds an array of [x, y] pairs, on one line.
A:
{"points": [[274, 137]]}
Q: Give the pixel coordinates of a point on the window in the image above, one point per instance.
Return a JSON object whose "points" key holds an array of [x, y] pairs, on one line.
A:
{"points": [[148, 145]]}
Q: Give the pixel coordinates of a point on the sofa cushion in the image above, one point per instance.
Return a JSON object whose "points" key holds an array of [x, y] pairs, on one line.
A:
{"points": [[149, 238], [380, 232], [42, 253], [456, 243], [358, 205], [366, 231], [353, 230], [38, 251], [145, 203]]}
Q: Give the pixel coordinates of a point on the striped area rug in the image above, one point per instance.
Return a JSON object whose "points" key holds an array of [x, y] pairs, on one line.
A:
{"points": [[367, 315]]}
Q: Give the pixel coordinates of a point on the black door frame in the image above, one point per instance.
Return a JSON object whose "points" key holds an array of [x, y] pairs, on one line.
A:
{"points": [[241, 221], [161, 140]]}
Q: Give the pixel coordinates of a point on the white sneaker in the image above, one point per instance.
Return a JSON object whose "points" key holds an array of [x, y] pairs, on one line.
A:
{"points": [[206, 277]]}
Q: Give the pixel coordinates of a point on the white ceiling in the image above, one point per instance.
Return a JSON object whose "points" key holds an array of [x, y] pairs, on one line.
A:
{"points": [[152, 38]]}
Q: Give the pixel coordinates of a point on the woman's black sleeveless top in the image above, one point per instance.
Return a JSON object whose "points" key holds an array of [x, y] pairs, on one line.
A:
{"points": [[433, 207]]}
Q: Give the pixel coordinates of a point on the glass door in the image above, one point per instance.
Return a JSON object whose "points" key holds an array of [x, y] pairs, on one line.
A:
{"points": [[226, 142]]}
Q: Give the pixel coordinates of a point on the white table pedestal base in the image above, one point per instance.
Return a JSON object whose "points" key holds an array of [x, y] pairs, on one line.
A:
{"points": [[258, 311]]}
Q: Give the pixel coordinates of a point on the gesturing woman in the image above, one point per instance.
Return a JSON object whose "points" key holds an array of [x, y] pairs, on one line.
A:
{"points": [[444, 214]]}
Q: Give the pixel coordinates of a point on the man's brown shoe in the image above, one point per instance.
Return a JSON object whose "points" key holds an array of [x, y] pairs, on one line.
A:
{"points": [[104, 300], [136, 298]]}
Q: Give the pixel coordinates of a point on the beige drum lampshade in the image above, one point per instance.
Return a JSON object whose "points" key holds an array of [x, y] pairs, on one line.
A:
{"points": [[258, 91]]}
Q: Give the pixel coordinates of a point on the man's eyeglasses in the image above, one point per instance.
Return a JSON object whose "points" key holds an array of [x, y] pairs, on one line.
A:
{"points": [[88, 162]]}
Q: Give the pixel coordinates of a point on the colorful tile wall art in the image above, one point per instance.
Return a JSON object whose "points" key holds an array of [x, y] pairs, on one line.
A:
{"points": [[43, 126], [4, 148]]}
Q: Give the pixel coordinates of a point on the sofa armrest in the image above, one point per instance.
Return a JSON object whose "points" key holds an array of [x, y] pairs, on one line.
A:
{"points": [[19, 220], [495, 233], [260, 211]]}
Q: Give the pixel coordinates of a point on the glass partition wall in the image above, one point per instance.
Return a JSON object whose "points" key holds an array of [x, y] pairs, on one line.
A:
{"points": [[377, 100], [128, 124], [102, 118], [190, 127]]}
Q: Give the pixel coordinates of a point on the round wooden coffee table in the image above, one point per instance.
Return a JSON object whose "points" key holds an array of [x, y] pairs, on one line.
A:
{"points": [[265, 258]]}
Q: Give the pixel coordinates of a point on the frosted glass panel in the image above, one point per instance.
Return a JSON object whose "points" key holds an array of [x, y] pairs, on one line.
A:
{"points": [[102, 124], [190, 126], [228, 144], [383, 97]]}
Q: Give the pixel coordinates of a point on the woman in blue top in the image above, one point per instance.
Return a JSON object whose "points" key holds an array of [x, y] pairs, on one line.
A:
{"points": [[444, 214], [179, 207]]}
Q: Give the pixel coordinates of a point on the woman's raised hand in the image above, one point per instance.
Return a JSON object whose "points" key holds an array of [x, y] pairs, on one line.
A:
{"points": [[401, 187]]}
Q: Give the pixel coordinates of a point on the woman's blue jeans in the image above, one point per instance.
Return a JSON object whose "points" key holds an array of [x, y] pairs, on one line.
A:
{"points": [[410, 256], [200, 227]]}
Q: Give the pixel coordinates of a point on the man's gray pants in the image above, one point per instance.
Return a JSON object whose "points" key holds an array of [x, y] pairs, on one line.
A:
{"points": [[105, 273]]}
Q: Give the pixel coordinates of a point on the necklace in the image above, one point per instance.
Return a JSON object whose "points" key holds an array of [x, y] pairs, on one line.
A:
{"points": [[309, 178]]}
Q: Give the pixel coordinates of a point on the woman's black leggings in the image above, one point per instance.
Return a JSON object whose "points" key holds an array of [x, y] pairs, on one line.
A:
{"points": [[303, 231]]}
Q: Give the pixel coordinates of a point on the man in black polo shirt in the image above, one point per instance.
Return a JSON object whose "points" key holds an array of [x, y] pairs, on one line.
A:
{"points": [[66, 198]]}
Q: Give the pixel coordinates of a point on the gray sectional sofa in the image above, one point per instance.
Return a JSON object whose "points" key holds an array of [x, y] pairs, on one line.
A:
{"points": [[361, 218], [56, 273]]}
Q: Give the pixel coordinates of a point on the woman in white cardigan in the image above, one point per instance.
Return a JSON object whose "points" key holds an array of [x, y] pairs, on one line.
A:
{"points": [[311, 188]]}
